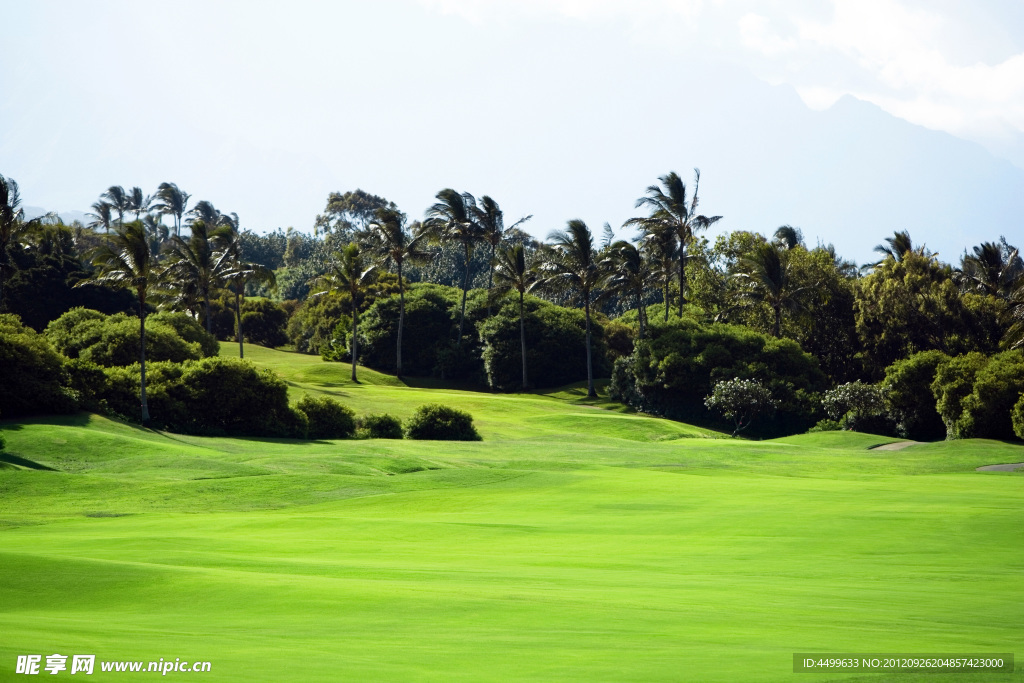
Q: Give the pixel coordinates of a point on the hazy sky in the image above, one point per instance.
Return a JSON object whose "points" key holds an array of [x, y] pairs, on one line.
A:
{"points": [[559, 108]]}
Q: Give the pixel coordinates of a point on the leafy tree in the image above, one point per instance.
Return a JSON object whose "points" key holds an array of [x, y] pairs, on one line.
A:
{"points": [[854, 403], [392, 243], [570, 264], [264, 322], [740, 400], [908, 396], [1017, 417], [673, 214], [954, 382], [766, 277], [349, 213], [997, 388], [171, 200], [351, 276], [126, 260], [14, 229], [34, 380], [452, 219], [515, 273]]}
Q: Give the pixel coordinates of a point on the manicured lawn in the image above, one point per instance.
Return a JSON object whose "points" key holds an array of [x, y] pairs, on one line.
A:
{"points": [[575, 542]]}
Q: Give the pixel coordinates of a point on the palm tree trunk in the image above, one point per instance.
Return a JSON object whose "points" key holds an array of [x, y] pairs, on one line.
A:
{"points": [[666, 295], [465, 288], [640, 312], [206, 304], [142, 359], [401, 321], [590, 367], [777, 329], [522, 338], [355, 338], [682, 280], [238, 319], [490, 280]]}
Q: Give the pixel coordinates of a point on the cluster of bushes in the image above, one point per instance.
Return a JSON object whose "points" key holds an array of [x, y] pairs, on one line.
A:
{"points": [[674, 370], [931, 395]]}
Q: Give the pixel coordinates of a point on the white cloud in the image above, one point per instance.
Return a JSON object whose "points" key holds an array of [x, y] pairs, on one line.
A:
{"points": [[756, 33]]}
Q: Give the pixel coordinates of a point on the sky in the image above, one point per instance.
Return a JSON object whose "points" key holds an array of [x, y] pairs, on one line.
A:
{"points": [[847, 118]]}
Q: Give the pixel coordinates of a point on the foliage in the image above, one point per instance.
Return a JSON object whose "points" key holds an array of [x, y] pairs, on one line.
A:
{"points": [[327, 418], [740, 400], [34, 380], [188, 329], [826, 425], [673, 371], [114, 340], [555, 345], [997, 388], [264, 322], [311, 328], [1017, 417], [382, 426], [908, 396], [854, 404], [437, 422], [954, 382]]}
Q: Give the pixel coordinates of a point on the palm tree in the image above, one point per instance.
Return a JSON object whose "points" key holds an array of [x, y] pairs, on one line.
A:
{"points": [[348, 274], [671, 210], [514, 273], [138, 202], [628, 274], [173, 201], [789, 237], [492, 223], [390, 241], [238, 274], [14, 229], [205, 211], [660, 248], [766, 272], [994, 269], [197, 266], [126, 260], [898, 247], [570, 265], [102, 214], [451, 219], [155, 230], [118, 200]]}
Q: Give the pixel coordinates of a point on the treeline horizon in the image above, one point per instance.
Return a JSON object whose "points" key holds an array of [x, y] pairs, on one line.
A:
{"points": [[310, 291]]}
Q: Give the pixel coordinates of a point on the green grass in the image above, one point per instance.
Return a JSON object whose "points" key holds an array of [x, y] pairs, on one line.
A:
{"points": [[575, 542]]}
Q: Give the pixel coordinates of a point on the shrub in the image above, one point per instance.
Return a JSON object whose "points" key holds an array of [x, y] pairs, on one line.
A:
{"points": [[114, 340], [997, 388], [740, 400], [88, 381], [188, 328], [826, 425], [854, 404], [429, 327], [382, 426], [311, 327], [908, 396], [954, 382], [264, 322], [327, 418], [34, 380], [1017, 417], [434, 421]]}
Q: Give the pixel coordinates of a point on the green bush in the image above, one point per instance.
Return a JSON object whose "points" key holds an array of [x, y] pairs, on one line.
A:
{"points": [[428, 329], [908, 396], [556, 351], [328, 419], [33, 378], [188, 328], [954, 382], [672, 371], [88, 381], [311, 328], [114, 340], [264, 322], [437, 422], [997, 388], [382, 426], [1017, 417], [858, 406], [826, 425]]}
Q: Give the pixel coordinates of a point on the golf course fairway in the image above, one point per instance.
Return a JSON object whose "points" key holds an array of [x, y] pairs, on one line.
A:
{"points": [[576, 542]]}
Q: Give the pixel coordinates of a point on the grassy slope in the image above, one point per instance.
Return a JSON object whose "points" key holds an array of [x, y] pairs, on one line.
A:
{"points": [[572, 543]]}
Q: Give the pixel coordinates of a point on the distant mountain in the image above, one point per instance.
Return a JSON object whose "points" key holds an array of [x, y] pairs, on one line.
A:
{"points": [[66, 216]]}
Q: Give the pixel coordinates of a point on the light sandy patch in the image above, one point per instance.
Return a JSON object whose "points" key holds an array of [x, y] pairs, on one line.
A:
{"points": [[1008, 467], [895, 446]]}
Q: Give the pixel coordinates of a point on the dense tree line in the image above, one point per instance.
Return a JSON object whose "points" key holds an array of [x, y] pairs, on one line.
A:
{"points": [[693, 327]]}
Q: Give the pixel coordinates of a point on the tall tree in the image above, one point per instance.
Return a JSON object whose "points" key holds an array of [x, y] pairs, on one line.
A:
{"points": [[672, 210], [138, 202], [994, 268], [570, 265], [198, 265], [452, 219], [14, 229], [350, 275], [348, 213], [513, 272], [126, 260], [898, 247], [491, 219], [766, 275], [171, 200], [238, 273], [628, 274], [118, 199], [102, 216], [661, 248], [388, 239]]}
